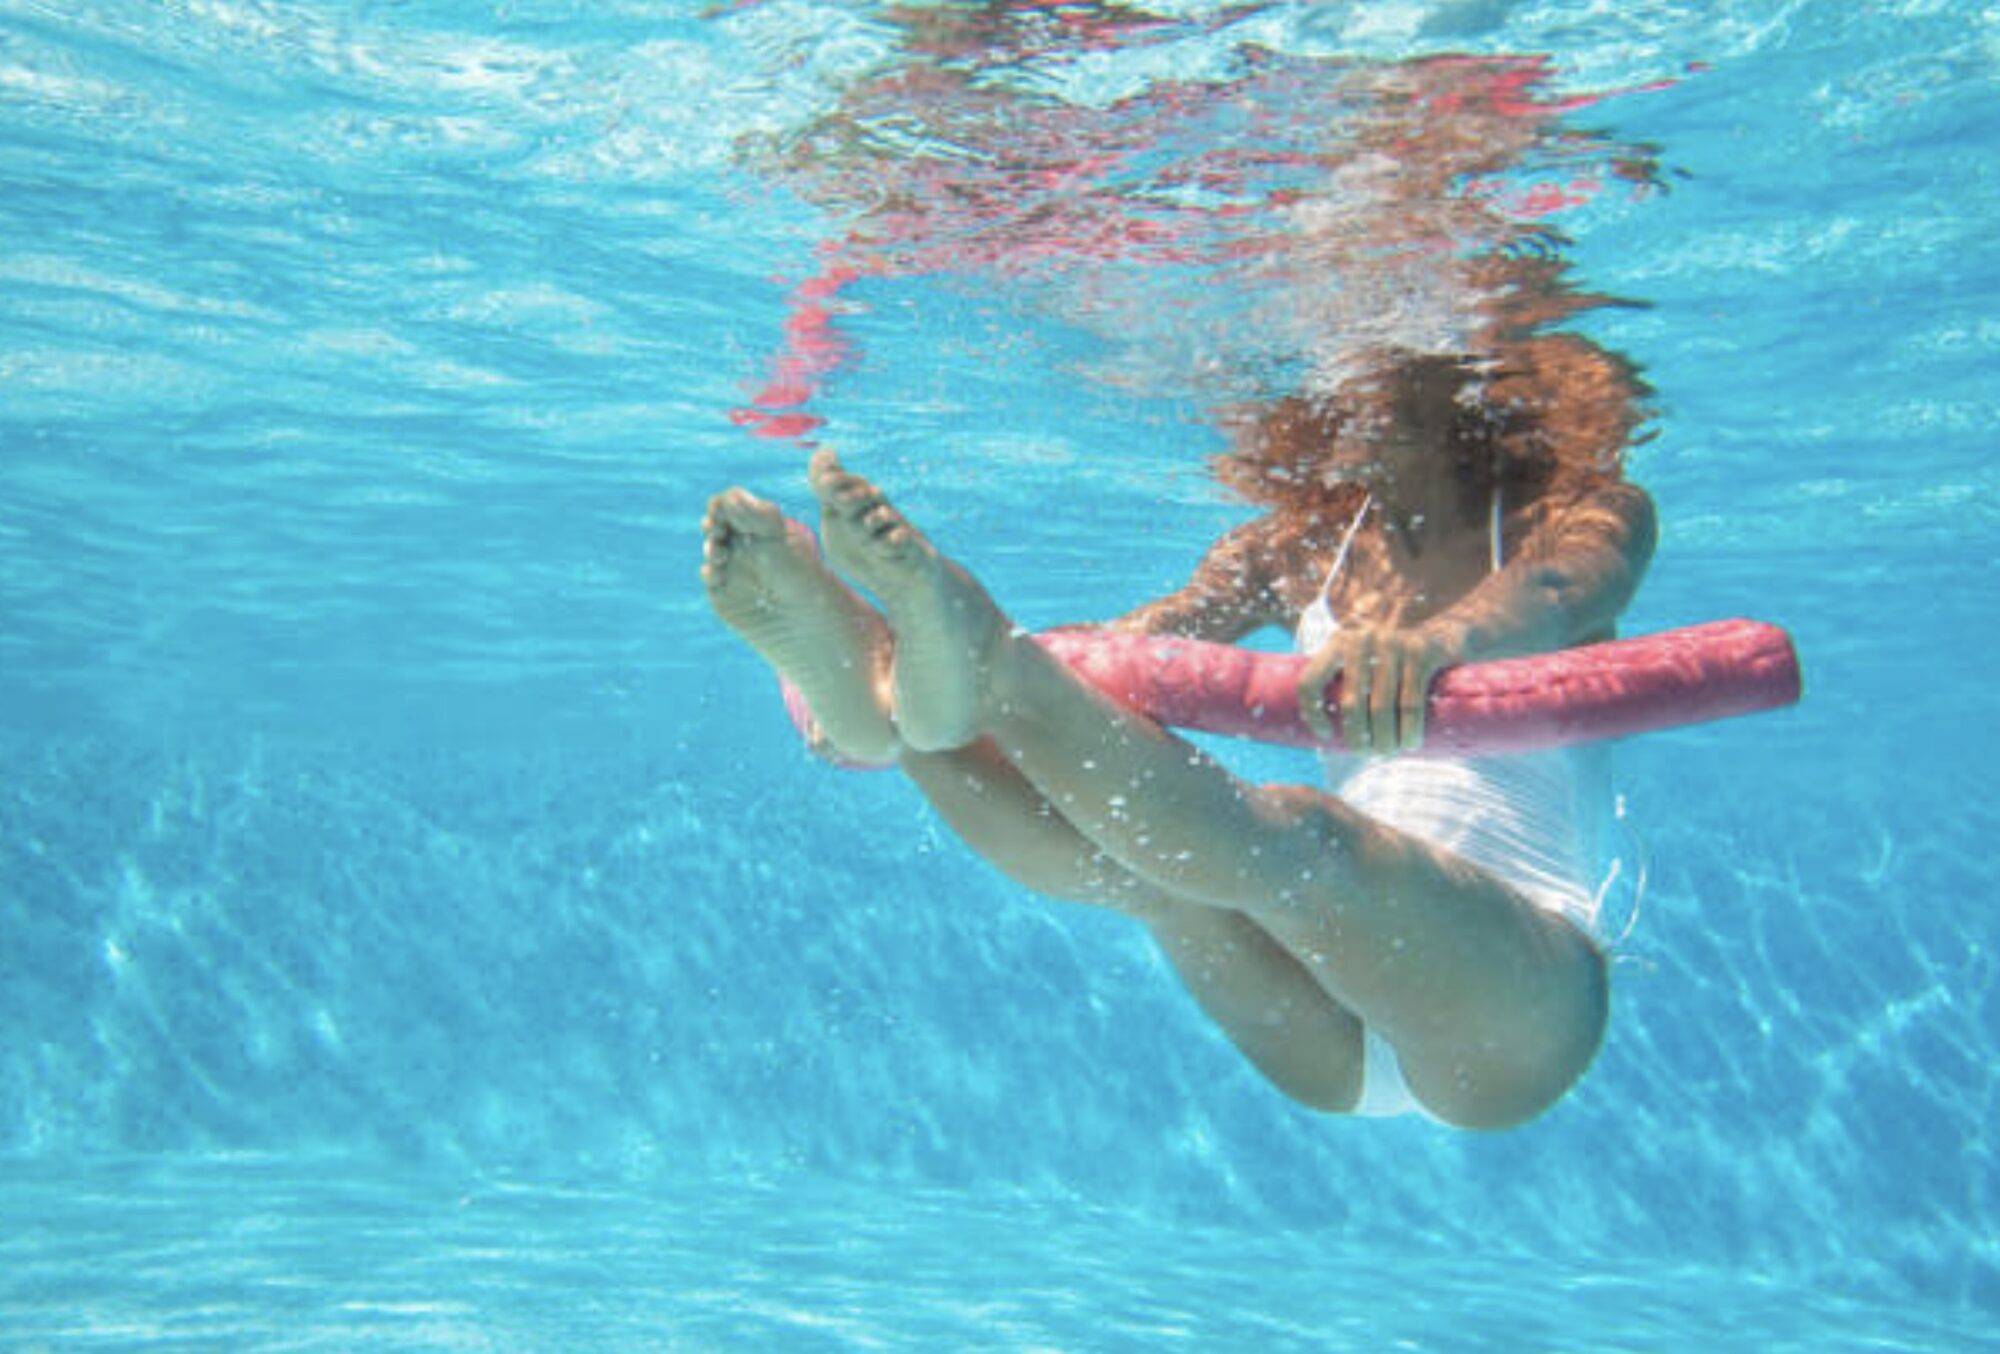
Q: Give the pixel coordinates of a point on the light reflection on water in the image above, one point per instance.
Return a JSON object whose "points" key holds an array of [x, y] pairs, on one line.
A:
{"points": [[330, 1255]]}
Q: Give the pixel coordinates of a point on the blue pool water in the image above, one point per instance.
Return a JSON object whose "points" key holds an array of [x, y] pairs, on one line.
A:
{"points": [[418, 925]]}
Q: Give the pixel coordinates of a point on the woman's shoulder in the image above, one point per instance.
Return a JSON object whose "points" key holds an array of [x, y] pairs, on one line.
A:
{"points": [[1621, 496], [1285, 544], [1613, 514], [1603, 500], [1259, 546]]}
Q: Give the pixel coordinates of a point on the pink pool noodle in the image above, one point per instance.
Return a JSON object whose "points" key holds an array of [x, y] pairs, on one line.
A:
{"points": [[1583, 695]]}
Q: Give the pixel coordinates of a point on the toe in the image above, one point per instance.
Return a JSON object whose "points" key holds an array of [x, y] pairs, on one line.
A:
{"points": [[848, 494], [823, 467], [714, 563], [841, 492], [745, 512], [838, 492]]}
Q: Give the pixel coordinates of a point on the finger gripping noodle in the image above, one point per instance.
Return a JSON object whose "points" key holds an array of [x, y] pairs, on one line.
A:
{"points": [[1583, 695]]}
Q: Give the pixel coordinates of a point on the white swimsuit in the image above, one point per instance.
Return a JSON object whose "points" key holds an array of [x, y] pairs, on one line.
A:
{"points": [[1536, 821]]}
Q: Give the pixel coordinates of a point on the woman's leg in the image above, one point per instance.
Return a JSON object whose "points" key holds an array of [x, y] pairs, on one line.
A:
{"points": [[1269, 1004], [765, 580], [1494, 1006], [769, 585]]}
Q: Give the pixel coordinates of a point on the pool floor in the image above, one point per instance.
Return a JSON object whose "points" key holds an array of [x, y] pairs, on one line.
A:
{"points": [[261, 1252]]}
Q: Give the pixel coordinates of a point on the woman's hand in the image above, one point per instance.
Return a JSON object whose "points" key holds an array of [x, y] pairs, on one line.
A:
{"points": [[1385, 676]]}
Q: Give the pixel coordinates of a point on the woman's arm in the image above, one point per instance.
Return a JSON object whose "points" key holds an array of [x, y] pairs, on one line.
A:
{"points": [[1572, 578], [1567, 584], [1228, 597]]}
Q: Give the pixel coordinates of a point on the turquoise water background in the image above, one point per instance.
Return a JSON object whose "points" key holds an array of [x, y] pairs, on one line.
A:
{"points": [[418, 924]]}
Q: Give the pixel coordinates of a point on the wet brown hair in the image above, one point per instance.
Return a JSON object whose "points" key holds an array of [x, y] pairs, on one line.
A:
{"points": [[1551, 414]]}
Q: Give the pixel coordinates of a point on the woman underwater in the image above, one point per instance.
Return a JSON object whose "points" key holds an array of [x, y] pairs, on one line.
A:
{"points": [[1419, 939]]}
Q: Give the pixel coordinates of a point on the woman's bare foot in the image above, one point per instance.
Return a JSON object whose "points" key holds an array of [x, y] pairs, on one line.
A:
{"points": [[944, 622], [765, 580]]}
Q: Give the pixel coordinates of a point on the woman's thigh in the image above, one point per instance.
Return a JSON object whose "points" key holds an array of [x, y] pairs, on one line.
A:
{"points": [[1493, 1003]]}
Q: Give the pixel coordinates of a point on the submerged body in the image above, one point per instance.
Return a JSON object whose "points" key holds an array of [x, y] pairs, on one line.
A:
{"points": [[1437, 910]]}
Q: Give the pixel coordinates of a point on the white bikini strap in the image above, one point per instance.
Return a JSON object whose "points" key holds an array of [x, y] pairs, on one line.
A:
{"points": [[1494, 530], [1496, 547], [1346, 540]]}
